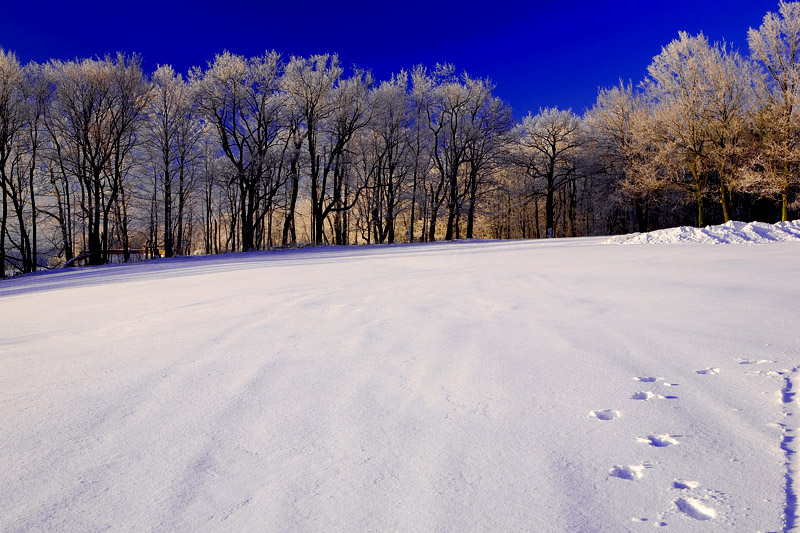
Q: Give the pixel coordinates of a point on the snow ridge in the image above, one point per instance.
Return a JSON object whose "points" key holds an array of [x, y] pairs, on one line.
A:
{"points": [[732, 232]]}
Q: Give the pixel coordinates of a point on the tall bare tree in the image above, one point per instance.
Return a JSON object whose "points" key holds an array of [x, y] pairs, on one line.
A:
{"points": [[548, 144], [12, 123], [241, 97]]}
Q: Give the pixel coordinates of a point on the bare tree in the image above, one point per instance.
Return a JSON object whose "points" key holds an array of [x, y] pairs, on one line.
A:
{"points": [[385, 151], [12, 123], [331, 111], [173, 134], [548, 144], [489, 120], [95, 116], [241, 98]]}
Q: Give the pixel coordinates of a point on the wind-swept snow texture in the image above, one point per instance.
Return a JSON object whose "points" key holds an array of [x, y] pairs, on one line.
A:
{"points": [[729, 233], [480, 386]]}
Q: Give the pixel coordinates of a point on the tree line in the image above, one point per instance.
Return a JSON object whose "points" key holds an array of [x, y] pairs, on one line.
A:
{"points": [[102, 162]]}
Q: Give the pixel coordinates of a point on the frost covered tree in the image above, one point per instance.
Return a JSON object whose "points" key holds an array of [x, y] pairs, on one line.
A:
{"points": [[678, 86], [465, 123], [173, 136], [340, 187], [731, 100], [37, 92], [699, 97], [420, 145], [618, 129], [489, 122], [776, 46], [12, 123], [23, 97], [331, 111], [308, 83], [241, 98], [132, 95], [547, 148], [445, 110], [256, 152], [98, 108], [385, 154]]}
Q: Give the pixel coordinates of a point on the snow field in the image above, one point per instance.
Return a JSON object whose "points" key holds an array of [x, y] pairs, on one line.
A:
{"points": [[461, 386]]}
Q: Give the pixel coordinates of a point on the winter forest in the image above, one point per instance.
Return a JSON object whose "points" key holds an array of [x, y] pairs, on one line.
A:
{"points": [[103, 162]]}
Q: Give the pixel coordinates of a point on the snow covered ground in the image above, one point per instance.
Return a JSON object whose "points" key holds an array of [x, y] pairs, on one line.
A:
{"points": [[562, 385]]}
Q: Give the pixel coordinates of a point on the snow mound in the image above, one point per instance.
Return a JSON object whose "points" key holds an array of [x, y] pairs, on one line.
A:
{"points": [[732, 232]]}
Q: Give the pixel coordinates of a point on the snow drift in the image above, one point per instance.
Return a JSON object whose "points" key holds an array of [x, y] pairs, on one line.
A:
{"points": [[729, 233]]}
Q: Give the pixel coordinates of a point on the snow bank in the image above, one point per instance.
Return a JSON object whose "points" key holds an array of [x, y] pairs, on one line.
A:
{"points": [[732, 232]]}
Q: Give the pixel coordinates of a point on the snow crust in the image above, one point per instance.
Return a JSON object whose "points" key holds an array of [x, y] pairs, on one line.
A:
{"points": [[731, 232], [558, 385]]}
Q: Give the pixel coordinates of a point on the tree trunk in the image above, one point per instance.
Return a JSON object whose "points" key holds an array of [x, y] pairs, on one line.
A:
{"points": [[784, 206], [62, 221], [168, 234], [473, 192], [698, 191], [289, 223], [123, 222], [549, 210], [95, 245], [33, 255], [452, 206], [725, 200], [413, 207], [3, 232], [180, 244]]}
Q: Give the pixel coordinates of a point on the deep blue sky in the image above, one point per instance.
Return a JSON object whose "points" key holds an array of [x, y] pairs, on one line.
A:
{"points": [[538, 54]]}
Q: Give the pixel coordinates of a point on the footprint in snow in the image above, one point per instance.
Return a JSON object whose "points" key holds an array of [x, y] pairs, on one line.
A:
{"points": [[695, 508], [653, 379], [659, 441], [629, 472], [769, 373], [646, 395], [684, 485], [605, 414], [708, 371], [753, 361], [657, 523]]}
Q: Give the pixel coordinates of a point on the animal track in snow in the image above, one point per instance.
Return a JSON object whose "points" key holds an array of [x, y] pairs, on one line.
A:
{"points": [[656, 523], [659, 441], [708, 371], [685, 485], [753, 361], [605, 414], [695, 508], [643, 395], [646, 379], [768, 373], [629, 472], [646, 395]]}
